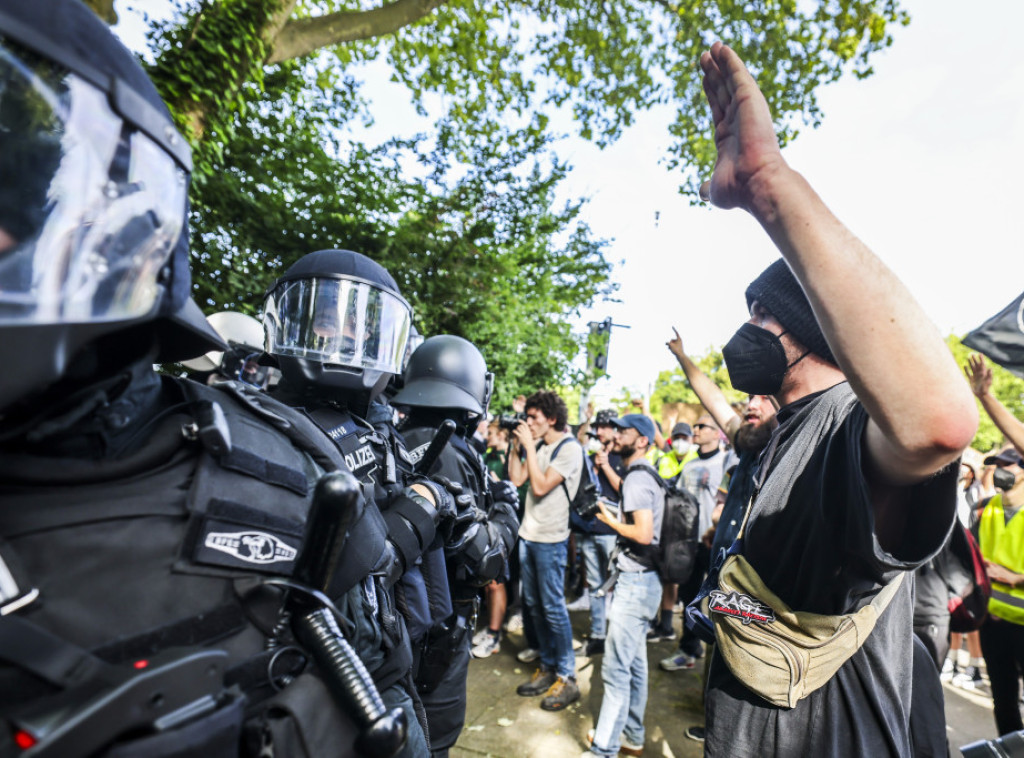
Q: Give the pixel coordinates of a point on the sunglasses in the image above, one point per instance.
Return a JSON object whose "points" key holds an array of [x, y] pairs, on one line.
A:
{"points": [[703, 426]]}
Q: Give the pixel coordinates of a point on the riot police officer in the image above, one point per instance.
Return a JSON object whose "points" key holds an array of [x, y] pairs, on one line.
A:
{"points": [[336, 326], [149, 526], [447, 380]]}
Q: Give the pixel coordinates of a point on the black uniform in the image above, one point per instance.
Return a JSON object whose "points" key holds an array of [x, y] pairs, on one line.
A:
{"points": [[146, 542], [478, 551]]}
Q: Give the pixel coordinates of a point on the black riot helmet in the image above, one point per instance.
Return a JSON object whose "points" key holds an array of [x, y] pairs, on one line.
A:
{"points": [[93, 208], [337, 326], [447, 372]]}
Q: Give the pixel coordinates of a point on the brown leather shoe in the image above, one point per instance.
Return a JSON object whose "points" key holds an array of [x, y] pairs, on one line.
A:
{"points": [[539, 683], [561, 694]]}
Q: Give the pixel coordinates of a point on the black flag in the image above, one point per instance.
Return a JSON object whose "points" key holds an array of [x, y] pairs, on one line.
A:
{"points": [[1001, 338]]}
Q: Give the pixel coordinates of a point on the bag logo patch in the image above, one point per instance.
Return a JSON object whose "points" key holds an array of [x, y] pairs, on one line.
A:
{"points": [[743, 607], [251, 547]]}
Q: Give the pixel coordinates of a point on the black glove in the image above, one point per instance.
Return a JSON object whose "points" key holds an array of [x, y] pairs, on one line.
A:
{"points": [[504, 492], [444, 503], [463, 530]]}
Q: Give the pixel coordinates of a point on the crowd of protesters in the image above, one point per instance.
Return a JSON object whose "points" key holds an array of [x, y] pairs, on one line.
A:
{"points": [[393, 502], [831, 485]]}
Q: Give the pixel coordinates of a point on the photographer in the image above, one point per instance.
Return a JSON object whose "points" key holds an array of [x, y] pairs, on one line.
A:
{"points": [[620, 726], [553, 466]]}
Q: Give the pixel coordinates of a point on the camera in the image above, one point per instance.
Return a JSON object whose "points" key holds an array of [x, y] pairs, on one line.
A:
{"points": [[511, 420], [585, 502]]}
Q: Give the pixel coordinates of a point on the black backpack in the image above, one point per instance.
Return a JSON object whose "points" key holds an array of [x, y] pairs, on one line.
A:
{"points": [[676, 551], [586, 489]]}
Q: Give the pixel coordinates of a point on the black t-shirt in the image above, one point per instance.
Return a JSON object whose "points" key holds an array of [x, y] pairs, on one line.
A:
{"points": [[811, 538]]}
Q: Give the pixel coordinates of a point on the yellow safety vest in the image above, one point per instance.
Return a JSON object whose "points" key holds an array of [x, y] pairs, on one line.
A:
{"points": [[1003, 543], [669, 466]]}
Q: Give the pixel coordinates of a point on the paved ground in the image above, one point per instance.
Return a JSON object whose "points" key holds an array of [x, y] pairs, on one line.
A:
{"points": [[501, 724]]}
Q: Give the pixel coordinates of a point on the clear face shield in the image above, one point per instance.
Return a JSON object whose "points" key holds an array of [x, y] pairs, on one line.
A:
{"points": [[344, 322], [90, 209]]}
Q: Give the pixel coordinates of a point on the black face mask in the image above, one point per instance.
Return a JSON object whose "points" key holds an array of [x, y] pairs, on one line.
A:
{"points": [[756, 360], [1002, 479]]}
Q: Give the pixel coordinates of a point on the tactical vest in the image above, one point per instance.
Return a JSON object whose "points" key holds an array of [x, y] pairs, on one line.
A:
{"points": [[1003, 543], [157, 571], [384, 466]]}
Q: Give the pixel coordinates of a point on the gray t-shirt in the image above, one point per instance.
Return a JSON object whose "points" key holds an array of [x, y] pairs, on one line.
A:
{"points": [[546, 519], [811, 538], [640, 491], [701, 477]]}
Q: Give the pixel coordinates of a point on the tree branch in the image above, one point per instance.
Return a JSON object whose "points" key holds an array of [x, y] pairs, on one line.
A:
{"points": [[302, 36]]}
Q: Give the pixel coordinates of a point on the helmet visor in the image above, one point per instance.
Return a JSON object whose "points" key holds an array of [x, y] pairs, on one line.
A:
{"points": [[90, 209], [340, 321]]}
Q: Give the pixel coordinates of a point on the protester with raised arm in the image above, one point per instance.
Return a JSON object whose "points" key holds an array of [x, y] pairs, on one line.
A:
{"points": [[855, 488]]}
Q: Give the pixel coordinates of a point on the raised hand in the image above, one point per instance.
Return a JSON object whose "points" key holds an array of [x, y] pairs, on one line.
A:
{"points": [[744, 133], [675, 344], [979, 375]]}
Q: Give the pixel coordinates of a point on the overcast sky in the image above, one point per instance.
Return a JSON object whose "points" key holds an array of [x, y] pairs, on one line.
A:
{"points": [[923, 161]]}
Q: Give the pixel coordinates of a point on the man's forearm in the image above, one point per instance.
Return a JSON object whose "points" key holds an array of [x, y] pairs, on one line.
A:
{"points": [[875, 329], [1005, 421], [612, 476], [516, 470], [635, 532], [709, 393]]}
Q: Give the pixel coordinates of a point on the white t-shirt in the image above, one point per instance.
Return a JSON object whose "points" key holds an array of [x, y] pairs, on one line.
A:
{"points": [[546, 519]]}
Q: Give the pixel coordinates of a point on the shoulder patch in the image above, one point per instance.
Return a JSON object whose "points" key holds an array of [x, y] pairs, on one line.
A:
{"points": [[253, 546], [414, 455]]}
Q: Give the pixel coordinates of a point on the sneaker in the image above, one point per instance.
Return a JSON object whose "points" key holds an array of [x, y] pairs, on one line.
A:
{"points": [[539, 683], [625, 746], [582, 603], [949, 670], [481, 637], [528, 655], [489, 646], [657, 634], [514, 625], [968, 679], [678, 662], [560, 695], [695, 733], [595, 646]]}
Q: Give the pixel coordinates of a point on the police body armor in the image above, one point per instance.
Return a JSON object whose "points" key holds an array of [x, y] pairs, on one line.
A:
{"points": [[155, 560], [477, 552], [384, 466]]}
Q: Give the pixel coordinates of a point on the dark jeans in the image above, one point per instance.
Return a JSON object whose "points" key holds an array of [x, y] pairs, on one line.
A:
{"points": [[1002, 645]]}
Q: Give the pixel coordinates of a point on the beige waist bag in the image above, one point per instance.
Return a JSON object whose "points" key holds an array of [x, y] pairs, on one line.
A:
{"points": [[777, 653]]}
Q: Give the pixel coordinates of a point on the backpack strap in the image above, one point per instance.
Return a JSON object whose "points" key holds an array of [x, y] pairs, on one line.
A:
{"points": [[646, 555], [564, 441]]}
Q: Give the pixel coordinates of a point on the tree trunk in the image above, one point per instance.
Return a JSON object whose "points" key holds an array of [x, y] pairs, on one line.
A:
{"points": [[302, 36]]}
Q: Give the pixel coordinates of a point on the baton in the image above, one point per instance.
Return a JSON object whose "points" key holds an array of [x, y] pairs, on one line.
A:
{"points": [[441, 437], [337, 505]]}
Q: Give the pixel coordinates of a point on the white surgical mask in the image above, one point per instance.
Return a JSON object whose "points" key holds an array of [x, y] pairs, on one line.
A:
{"points": [[681, 446]]}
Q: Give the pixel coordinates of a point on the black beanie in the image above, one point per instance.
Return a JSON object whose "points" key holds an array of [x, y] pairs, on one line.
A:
{"points": [[778, 291]]}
